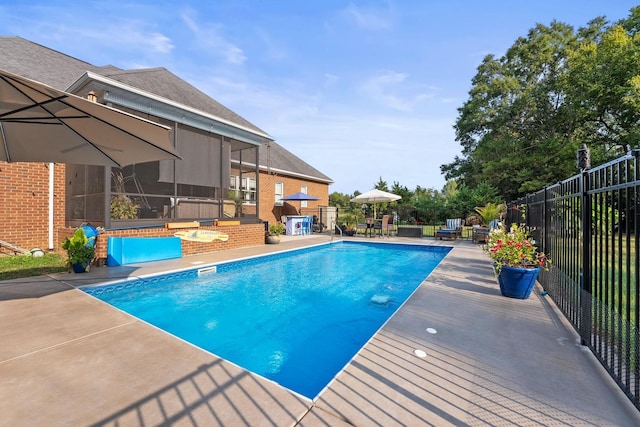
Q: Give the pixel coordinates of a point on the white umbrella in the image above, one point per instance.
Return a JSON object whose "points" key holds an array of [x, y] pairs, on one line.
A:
{"points": [[375, 196], [41, 124]]}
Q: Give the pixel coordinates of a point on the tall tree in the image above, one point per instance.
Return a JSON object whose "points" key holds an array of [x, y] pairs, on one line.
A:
{"points": [[515, 129], [603, 86], [381, 185]]}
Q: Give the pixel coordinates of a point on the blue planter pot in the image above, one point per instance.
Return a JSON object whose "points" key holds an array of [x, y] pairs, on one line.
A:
{"points": [[517, 282], [80, 267]]}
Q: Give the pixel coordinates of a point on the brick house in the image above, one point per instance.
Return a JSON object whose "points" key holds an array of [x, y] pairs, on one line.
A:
{"points": [[231, 169]]}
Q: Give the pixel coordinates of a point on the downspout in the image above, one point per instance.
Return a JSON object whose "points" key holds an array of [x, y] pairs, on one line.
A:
{"points": [[107, 197], [51, 187]]}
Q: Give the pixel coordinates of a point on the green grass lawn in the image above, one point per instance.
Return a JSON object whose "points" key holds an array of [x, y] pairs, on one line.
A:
{"points": [[17, 266]]}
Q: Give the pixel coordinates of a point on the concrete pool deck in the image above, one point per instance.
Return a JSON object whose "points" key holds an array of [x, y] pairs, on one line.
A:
{"points": [[67, 359]]}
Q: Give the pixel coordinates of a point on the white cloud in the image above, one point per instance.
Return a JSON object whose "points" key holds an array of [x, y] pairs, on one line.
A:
{"points": [[131, 35], [393, 90], [330, 79], [369, 19], [272, 49], [210, 40]]}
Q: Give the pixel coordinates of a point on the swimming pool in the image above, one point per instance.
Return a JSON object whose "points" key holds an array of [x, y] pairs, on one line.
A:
{"points": [[295, 317]]}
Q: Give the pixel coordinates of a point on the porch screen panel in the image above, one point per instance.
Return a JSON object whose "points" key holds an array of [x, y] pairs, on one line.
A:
{"points": [[206, 160]]}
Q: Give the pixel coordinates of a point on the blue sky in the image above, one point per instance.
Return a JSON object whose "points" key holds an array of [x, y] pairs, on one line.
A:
{"points": [[361, 90]]}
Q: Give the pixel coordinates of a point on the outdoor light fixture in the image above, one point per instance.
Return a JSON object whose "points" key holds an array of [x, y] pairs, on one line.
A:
{"points": [[91, 96], [584, 158]]}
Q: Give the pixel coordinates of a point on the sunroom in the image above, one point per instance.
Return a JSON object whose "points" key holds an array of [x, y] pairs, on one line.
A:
{"points": [[216, 179]]}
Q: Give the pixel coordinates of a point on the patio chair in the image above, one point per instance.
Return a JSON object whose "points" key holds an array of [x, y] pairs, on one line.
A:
{"points": [[383, 226], [481, 234], [317, 226], [306, 225], [391, 226], [367, 226]]}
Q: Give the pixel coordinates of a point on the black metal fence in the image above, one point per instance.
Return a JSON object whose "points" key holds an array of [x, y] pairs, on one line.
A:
{"points": [[590, 226]]}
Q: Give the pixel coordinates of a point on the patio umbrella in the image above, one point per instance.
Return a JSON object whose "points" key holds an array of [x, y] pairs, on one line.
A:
{"points": [[375, 196], [41, 124], [300, 197]]}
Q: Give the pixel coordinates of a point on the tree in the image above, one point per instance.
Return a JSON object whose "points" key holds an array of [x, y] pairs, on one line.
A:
{"points": [[518, 114], [341, 201], [603, 86]]}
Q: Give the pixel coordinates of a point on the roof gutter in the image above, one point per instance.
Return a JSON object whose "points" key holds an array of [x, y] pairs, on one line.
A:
{"points": [[284, 172], [118, 93]]}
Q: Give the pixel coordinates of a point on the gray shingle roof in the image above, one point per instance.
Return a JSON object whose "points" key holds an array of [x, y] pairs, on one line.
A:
{"points": [[282, 160], [40, 63], [56, 69], [162, 82]]}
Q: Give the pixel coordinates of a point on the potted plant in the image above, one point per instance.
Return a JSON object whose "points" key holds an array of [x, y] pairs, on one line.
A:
{"points": [[490, 211], [80, 251], [516, 259], [275, 230]]}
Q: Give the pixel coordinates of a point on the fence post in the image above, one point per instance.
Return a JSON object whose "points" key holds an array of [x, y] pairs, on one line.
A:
{"points": [[545, 221], [585, 275]]}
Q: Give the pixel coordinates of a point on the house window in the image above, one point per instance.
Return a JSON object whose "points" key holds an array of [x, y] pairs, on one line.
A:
{"points": [[279, 193], [248, 188], [234, 183], [303, 203]]}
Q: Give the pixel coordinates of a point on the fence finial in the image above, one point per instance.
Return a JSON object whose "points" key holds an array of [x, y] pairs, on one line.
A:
{"points": [[584, 158]]}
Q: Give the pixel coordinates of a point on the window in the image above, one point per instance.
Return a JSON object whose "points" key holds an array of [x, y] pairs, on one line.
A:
{"points": [[303, 203], [279, 193], [233, 183], [248, 188]]}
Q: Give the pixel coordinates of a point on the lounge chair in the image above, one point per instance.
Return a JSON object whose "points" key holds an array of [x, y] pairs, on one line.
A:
{"points": [[452, 229]]}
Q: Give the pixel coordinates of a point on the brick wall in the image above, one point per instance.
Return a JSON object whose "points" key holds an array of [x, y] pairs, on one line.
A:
{"points": [[24, 199], [240, 236], [24, 203], [270, 212]]}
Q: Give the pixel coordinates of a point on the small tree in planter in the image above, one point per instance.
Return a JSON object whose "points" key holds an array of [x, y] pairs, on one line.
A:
{"points": [[80, 252], [347, 222], [491, 211]]}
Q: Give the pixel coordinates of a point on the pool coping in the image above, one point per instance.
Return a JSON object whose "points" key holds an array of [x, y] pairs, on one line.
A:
{"points": [[69, 359]]}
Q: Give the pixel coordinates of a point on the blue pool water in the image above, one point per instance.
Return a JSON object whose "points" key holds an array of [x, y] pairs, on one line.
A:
{"points": [[296, 318]]}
